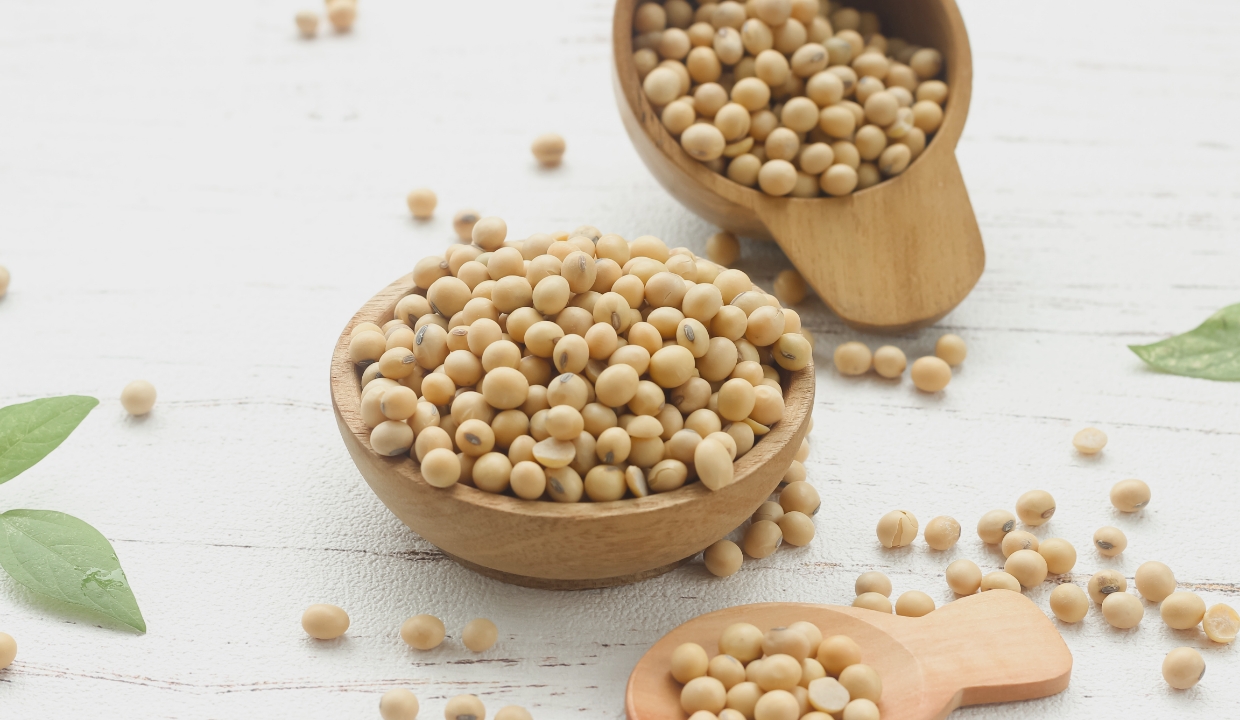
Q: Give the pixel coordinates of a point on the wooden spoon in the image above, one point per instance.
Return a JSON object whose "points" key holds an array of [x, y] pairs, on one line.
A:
{"points": [[993, 647], [894, 257]]}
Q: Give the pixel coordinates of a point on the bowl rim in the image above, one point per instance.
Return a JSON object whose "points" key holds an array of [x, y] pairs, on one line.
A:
{"points": [[959, 70], [346, 397]]}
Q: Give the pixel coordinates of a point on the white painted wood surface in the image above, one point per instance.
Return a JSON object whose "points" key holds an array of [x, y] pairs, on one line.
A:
{"points": [[190, 194]]}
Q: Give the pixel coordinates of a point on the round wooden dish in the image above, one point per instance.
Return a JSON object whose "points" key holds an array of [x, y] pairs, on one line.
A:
{"points": [[890, 258], [551, 545]]}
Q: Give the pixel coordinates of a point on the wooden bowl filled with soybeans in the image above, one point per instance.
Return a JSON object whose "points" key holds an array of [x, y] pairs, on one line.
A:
{"points": [[828, 128], [797, 661], [572, 410]]}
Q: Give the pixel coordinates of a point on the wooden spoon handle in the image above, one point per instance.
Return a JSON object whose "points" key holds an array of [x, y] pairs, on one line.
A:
{"points": [[891, 258], [996, 646]]}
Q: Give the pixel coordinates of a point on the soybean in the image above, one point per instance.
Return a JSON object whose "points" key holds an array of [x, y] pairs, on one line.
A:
{"points": [[320, 621]]}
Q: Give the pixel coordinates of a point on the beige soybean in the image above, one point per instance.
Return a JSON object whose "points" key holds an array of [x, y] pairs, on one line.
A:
{"points": [[421, 202], [138, 397], [786, 641], [464, 707], [801, 497], [942, 532], [853, 358], [398, 704], [727, 670], [479, 635], [762, 539], [723, 558], [873, 601], [307, 22], [797, 528], [1069, 603], [391, 437], [548, 149], [1130, 495], [964, 577], [703, 693], [897, 528], [441, 467], [1220, 623], [1000, 580], [1035, 507], [838, 652], [951, 349], [827, 695], [1018, 540], [1089, 441], [862, 681], [769, 510], [513, 712], [528, 480], [1183, 668], [872, 581], [742, 641], [930, 374], [889, 361], [423, 632], [342, 14], [8, 646], [320, 621], [994, 525], [1155, 581], [1027, 566], [689, 661], [1122, 610], [914, 603], [1105, 582], [1059, 554], [1110, 541], [463, 224], [1182, 610], [860, 709]]}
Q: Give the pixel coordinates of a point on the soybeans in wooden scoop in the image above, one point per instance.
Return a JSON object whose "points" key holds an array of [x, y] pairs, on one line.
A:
{"points": [[889, 258], [993, 647]]}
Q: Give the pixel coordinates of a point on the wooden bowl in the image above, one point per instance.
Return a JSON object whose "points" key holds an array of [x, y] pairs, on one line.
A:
{"points": [[890, 258], [562, 546]]}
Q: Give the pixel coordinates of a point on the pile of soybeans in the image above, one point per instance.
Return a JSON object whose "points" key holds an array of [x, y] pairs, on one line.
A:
{"points": [[795, 97], [577, 366]]}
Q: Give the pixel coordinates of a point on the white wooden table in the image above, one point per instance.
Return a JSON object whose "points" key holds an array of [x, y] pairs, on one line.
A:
{"points": [[190, 194]]}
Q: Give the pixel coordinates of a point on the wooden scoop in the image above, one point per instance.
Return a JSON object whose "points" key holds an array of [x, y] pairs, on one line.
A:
{"points": [[890, 258], [993, 647]]}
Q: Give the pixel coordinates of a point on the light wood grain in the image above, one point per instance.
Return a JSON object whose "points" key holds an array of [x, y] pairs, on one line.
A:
{"points": [[890, 258], [554, 545], [234, 194], [988, 648]]}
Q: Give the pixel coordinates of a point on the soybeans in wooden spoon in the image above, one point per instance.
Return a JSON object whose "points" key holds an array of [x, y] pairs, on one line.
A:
{"points": [[961, 654]]}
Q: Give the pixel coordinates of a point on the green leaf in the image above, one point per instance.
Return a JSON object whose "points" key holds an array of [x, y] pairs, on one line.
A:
{"points": [[29, 431], [64, 558], [1211, 351]]}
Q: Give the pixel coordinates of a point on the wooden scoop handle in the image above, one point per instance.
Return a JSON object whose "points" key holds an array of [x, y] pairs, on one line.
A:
{"points": [[892, 258], [996, 646]]}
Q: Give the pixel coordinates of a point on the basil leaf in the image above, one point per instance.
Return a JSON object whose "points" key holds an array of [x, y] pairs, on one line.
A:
{"points": [[64, 558], [1211, 351], [29, 431]]}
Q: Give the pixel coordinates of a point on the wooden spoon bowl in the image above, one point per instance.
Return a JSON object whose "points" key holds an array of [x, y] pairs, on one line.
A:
{"points": [[890, 258], [993, 647], [562, 546]]}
